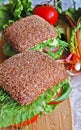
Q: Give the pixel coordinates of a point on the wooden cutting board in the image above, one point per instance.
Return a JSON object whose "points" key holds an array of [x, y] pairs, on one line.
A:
{"points": [[59, 119]]}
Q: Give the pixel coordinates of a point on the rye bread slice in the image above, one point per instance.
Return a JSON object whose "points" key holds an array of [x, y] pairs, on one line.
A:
{"points": [[27, 75], [28, 32]]}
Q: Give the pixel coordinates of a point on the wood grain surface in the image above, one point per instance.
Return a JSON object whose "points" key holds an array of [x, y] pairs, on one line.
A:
{"points": [[59, 119]]}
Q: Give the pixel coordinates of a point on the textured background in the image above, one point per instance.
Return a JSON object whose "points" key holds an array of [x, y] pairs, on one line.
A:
{"points": [[76, 101], [65, 3]]}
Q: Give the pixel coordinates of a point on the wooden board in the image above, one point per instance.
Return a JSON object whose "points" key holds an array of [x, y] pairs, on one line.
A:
{"points": [[59, 119]]}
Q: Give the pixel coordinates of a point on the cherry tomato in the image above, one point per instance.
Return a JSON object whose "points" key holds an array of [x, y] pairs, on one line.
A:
{"points": [[26, 122], [48, 12]]}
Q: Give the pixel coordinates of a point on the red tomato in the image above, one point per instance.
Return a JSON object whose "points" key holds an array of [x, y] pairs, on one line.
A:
{"points": [[48, 12], [26, 122], [53, 103]]}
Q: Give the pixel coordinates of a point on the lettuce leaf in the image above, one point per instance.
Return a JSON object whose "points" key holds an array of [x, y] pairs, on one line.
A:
{"points": [[51, 45], [13, 11], [4, 15], [12, 112], [20, 8]]}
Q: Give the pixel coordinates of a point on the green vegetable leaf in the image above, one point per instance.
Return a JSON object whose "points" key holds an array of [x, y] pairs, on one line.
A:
{"points": [[17, 8], [8, 50], [55, 47], [4, 15], [13, 11], [65, 92], [74, 14]]}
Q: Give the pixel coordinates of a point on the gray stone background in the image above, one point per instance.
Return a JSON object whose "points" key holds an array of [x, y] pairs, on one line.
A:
{"points": [[65, 3]]}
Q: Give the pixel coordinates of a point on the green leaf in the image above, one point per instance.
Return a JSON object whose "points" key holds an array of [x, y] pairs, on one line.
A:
{"points": [[18, 7], [4, 15], [66, 89], [13, 11], [74, 14], [7, 50], [51, 45]]}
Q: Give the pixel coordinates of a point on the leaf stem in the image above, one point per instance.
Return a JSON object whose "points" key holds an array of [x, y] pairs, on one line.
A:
{"points": [[70, 21]]}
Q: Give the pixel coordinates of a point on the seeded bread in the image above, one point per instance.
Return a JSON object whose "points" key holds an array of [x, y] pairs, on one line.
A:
{"points": [[27, 75], [28, 32]]}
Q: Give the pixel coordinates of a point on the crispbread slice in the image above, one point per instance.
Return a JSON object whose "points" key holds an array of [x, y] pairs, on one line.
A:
{"points": [[27, 75], [28, 32]]}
